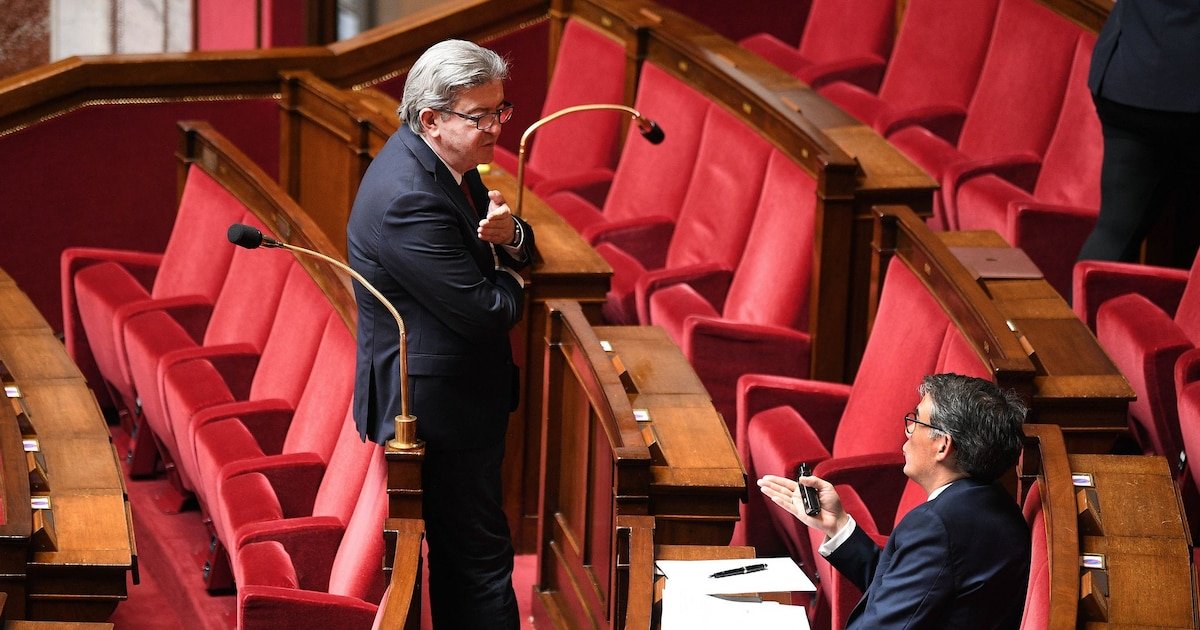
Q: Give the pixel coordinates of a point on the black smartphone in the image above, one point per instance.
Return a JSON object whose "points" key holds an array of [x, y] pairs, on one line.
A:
{"points": [[808, 496]]}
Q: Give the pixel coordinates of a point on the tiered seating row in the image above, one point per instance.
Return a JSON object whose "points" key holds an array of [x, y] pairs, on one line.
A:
{"points": [[250, 409]]}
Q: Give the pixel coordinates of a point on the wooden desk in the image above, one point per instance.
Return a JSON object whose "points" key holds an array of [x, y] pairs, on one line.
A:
{"points": [[697, 481], [1147, 578], [68, 561], [601, 466]]}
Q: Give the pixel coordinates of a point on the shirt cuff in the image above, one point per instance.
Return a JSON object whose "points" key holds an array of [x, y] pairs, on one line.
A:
{"points": [[514, 249], [833, 542], [515, 276]]}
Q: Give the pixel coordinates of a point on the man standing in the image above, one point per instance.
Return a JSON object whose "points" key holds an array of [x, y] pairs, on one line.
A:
{"points": [[442, 248], [961, 559]]}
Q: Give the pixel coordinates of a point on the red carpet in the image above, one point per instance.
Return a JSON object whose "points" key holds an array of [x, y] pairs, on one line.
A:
{"points": [[171, 594]]}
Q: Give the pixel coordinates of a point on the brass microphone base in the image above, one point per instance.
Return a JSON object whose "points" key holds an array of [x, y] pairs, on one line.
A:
{"points": [[406, 434]]}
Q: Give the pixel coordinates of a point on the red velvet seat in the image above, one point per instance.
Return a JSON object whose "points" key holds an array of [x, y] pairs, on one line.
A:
{"points": [[578, 152], [1145, 339], [651, 180], [751, 319], [316, 572], [102, 288], [1037, 594], [241, 320], [1051, 222], [259, 493], [199, 386], [713, 223], [783, 422], [932, 71], [226, 436], [842, 41], [1012, 114]]}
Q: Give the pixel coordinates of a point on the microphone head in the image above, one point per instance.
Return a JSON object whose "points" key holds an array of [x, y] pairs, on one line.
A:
{"points": [[245, 236], [651, 131]]}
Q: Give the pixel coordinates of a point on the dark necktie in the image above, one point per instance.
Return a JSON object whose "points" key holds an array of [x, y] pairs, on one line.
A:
{"points": [[467, 192]]}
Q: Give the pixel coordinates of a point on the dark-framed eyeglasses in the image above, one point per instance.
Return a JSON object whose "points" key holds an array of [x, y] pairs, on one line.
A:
{"points": [[911, 422], [483, 122]]}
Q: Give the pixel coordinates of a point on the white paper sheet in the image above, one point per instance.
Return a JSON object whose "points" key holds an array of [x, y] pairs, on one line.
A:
{"points": [[686, 609], [782, 575]]}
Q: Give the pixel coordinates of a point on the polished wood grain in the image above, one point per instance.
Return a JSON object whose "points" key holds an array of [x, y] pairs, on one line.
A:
{"points": [[68, 561], [1044, 464]]}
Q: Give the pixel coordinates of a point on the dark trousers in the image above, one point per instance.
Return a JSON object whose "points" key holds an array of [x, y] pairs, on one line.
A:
{"points": [[1151, 161], [470, 549]]}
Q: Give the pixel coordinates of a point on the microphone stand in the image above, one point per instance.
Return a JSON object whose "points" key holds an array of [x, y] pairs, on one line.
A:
{"points": [[406, 424], [648, 128]]}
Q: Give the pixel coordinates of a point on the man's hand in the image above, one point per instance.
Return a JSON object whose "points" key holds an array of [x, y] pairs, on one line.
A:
{"points": [[782, 491], [499, 226]]}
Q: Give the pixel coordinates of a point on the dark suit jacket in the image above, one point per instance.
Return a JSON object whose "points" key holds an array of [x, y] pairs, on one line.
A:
{"points": [[958, 561], [1148, 55], [413, 235]]}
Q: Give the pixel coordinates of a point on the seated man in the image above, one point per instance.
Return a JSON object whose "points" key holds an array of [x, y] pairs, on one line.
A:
{"points": [[961, 559]]}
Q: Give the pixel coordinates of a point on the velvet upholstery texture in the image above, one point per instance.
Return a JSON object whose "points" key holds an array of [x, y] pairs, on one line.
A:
{"points": [[102, 289], [241, 320], [753, 318], [841, 42], [1037, 594], [206, 387], [1146, 319], [238, 433], [651, 180], [315, 572], [932, 71], [713, 223], [1012, 114], [578, 151], [783, 422], [256, 493], [1052, 221]]}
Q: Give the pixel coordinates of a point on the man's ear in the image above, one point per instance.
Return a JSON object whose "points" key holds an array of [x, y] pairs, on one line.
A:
{"points": [[429, 121], [946, 448]]}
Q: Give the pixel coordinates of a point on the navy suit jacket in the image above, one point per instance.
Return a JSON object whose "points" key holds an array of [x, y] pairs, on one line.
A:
{"points": [[958, 561], [1148, 55], [412, 234]]}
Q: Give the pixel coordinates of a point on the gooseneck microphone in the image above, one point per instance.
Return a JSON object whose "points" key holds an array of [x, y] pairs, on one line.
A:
{"points": [[406, 425], [648, 128]]}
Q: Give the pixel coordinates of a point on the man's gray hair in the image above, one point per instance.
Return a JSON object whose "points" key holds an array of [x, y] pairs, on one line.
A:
{"points": [[983, 420], [442, 73]]}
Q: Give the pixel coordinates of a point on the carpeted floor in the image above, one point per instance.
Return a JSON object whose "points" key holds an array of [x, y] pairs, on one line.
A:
{"points": [[171, 548]]}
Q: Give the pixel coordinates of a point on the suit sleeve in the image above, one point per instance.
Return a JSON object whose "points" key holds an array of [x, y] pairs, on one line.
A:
{"points": [[912, 585], [856, 558], [422, 248], [528, 247]]}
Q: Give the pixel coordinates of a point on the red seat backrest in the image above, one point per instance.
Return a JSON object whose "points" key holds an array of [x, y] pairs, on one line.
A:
{"points": [[249, 299], [653, 179], [1021, 86], [1187, 315], [357, 569], [195, 262], [939, 52], [327, 394], [590, 68], [904, 345], [287, 358], [836, 29], [725, 185], [1037, 597], [345, 473], [771, 283], [1070, 172]]}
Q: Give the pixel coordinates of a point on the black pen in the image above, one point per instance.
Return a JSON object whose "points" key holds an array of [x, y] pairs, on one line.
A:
{"points": [[753, 568]]}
